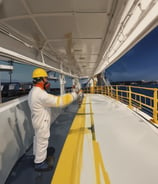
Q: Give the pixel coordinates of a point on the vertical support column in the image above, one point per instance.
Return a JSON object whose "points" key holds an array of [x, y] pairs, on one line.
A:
{"points": [[62, 84], [91, 86], [62, 81], [73, 84], [0, 89], [42, 57], [76, 83]]}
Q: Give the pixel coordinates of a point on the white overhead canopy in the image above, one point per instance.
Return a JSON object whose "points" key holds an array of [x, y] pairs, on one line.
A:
{"points": [[74, 37]]}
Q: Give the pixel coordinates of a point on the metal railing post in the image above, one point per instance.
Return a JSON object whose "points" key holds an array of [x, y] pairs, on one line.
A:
{"points": [[108, 90], [111, 91], [91, 90], [130, 98], [155, 120], [117, 98]]}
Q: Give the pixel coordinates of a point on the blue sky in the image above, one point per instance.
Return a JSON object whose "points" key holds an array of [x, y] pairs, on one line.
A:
{"points": [[140, 63], [20, 73]]}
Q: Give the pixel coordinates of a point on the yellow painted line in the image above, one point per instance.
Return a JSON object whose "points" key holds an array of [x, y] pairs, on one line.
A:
{"points": [[99, 166], [69, 164], [68, 170], [92, 121], [99, 163]]}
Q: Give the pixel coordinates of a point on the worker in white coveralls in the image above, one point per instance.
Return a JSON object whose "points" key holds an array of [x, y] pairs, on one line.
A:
{"points": [[40, 102]]}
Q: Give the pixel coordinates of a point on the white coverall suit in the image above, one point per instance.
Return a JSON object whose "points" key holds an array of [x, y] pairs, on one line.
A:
{"points": [[40, 102]]}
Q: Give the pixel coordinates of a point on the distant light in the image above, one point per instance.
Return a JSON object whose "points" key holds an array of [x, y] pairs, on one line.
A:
{"points": [[6, 68]]}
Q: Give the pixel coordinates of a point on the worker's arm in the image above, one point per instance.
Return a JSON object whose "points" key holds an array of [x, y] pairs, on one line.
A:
{"points": [[59, 101]]}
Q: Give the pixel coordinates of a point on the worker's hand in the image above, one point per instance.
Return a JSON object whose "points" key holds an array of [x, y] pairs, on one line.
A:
{"points": [[79, 92], [75, 89]]}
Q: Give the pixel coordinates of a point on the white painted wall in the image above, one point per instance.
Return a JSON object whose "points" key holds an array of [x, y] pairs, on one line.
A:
{"points": [[16, 133]]}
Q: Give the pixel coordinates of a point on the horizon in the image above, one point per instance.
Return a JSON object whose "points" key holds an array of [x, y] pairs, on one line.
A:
{"points": [[139, 63]]}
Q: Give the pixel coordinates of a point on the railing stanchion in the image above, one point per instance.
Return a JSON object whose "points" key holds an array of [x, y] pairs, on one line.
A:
{"points": [[130, 98], [111, 91], [92, 90], [117, 98], [155, 120], [108, 90]]}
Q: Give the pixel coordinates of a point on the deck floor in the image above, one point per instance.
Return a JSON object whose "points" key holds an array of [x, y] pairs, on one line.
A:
{"points": [[104, 142], [118, 146], [128, 143]]}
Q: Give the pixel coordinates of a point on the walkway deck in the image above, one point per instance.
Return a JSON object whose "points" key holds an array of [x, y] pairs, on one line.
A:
{"points": [[106, 143], [121, 147]]}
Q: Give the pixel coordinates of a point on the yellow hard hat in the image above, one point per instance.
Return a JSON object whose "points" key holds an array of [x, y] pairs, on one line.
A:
{"points": [[39, 72]]}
